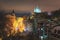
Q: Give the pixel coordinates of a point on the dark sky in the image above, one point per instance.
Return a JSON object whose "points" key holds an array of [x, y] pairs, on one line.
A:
{"points": [[28, 5]]}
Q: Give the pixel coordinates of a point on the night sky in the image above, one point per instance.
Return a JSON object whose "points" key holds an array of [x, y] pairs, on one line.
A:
{"points": [[28, 5]]}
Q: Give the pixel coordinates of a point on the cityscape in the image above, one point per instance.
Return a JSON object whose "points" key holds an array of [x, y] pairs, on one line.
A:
{"points": [[29, 23]]}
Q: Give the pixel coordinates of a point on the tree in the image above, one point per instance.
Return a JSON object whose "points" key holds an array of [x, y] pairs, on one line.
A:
{"points": [[6, 24]]}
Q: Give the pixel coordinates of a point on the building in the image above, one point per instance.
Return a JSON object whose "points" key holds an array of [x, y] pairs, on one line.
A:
{"points": [[39, 23]]}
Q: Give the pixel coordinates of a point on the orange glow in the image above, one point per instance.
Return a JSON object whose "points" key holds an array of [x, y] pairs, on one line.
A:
{"points": [[19, 25]]}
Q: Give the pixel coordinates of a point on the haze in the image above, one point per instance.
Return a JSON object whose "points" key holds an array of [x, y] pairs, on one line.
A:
{"points": [[28, 5]]}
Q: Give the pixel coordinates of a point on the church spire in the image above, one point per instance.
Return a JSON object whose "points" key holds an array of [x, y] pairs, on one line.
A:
{"points": [[37, 10], [13, 11]]}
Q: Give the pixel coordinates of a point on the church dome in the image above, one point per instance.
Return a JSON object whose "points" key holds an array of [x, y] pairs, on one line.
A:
{"points": [[37, 10]]}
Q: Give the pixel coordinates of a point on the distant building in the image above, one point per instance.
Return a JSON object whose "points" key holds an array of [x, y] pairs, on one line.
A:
{"points": [[39, 15], [39, 18]]}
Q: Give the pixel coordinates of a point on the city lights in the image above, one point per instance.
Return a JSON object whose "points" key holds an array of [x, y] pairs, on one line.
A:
{"points": [[29, 19], [19, 24]]}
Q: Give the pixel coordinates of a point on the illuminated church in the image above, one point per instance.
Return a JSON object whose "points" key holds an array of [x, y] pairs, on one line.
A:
{"points": [[37, 10]]}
